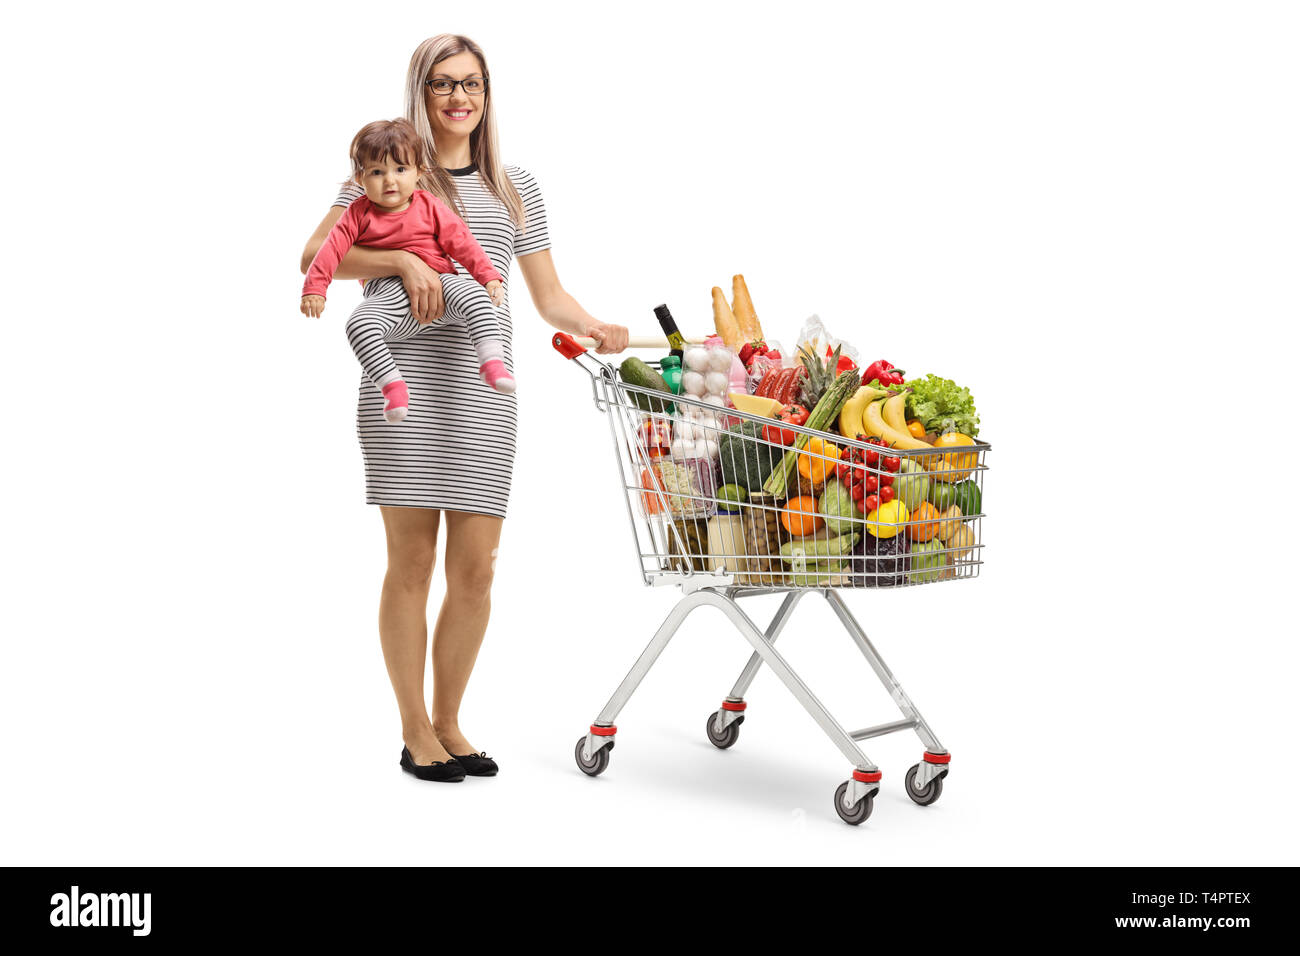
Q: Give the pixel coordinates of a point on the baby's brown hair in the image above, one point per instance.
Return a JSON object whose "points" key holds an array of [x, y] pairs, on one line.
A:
{"points": [[396, 138]]}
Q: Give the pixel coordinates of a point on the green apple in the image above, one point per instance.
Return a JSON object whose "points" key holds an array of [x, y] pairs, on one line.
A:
{"points": [[964, 494], [911, 483], [927, 561]]}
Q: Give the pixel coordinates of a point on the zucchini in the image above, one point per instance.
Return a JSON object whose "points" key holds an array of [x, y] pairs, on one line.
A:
{"points": [[819, 548], [823, 414], [636, 372], [823, 574]]}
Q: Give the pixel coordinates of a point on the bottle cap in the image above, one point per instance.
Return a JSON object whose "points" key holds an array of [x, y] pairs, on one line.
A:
{"points": [[670, 361]]}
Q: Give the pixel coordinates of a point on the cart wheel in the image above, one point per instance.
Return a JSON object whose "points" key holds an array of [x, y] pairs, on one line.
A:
{"points": [[599, 760], [859, 813], [727, 737], [926, 795]]}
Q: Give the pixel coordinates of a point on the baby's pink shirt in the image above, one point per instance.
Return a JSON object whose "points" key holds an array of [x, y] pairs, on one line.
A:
{"points": [[427, 227]]}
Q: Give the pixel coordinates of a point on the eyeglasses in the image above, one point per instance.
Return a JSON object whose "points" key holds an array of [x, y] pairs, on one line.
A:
{"points": [[472, 85]]}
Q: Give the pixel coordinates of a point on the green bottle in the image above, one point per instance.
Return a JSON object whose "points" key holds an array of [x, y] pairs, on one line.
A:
{"points": [[675, 341], [670, 367]]}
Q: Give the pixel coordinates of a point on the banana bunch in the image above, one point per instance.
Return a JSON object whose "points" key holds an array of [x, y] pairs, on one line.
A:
{"points": [[880, 414], [851, 413]]}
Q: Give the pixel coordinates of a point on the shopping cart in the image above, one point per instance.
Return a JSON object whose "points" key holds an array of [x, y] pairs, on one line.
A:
{"points": [[708, 516]]}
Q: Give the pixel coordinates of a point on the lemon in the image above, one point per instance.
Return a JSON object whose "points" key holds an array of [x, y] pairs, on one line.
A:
{"points": [[887, 520], [954, 466]]}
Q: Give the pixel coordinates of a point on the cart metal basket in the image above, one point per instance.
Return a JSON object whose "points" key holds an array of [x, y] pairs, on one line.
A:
{"points": [[728, 506]]}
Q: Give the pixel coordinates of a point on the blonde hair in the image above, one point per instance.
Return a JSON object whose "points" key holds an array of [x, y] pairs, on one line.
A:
{"points": [[483, 148]]}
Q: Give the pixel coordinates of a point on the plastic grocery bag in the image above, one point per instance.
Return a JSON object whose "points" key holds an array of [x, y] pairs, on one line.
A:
{"points": [[814, 338]]}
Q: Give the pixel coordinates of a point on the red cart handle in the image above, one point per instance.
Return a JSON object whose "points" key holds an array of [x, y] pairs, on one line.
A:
{"points": [[566, 345]]}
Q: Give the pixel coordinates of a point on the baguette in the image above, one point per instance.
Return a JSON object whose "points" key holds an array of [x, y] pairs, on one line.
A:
{"points": [[725, 323], [743, 308]]}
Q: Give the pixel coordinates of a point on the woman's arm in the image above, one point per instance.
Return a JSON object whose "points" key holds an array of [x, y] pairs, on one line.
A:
{"points": [[562, 310], [423, 287]]}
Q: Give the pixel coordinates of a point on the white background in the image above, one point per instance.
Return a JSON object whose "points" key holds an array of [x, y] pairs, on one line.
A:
{"points": [[1086, 212]]}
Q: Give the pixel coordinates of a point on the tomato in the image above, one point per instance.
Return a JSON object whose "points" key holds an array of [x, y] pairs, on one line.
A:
{"points": [[890, 462], [870, 503], [872, 483], [857, 493], [778, 435], [886, 495], [871, 458], [886, 481], [794, 414]]}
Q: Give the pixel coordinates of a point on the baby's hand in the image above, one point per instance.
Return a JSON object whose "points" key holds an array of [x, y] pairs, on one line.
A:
{"points": [[496, 291], [313, 306]]}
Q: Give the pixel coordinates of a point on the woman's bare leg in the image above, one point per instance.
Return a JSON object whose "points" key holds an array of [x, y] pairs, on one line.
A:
{"points": [[471, 557], [403, 628]]}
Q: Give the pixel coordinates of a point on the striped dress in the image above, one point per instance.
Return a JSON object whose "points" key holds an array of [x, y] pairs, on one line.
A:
{"points": [[456, 448]]}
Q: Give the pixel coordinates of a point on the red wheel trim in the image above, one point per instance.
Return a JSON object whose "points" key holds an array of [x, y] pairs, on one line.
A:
{"points": [[603, 731], [733, 705], [863, 777], [937, 758]]}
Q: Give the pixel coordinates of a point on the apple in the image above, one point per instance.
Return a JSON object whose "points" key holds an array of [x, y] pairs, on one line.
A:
{"points": [[911, 484], [928, 562]]}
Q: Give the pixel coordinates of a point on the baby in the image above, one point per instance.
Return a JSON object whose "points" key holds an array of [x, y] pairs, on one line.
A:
{"points": [[394, 214]]}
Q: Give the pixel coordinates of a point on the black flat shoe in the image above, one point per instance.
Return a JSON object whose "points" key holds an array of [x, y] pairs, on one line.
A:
{"points": [[444, 771], [477, 765]]}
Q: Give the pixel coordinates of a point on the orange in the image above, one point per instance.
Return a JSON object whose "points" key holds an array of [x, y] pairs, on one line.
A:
{"points": [[815, 469], [953, 466], [924, 522], [800, 516]]}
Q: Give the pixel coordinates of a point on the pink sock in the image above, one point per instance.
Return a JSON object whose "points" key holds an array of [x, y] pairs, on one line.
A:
{"points": [[398, 399], [494, 373]]}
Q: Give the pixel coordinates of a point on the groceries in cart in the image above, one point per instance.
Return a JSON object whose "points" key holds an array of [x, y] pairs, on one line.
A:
{"points": [[800, 468]]}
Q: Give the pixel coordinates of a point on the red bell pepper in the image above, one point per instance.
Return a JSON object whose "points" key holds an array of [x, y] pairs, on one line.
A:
{"points": [[845, 364], [883, 371]]}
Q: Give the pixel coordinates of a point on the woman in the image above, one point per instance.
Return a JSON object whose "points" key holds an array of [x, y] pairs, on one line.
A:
{"points": [[454, 453]]}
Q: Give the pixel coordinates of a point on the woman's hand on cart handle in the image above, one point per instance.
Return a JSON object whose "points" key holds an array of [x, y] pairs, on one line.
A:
{"points": [[423, 289], [608, 339]]}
